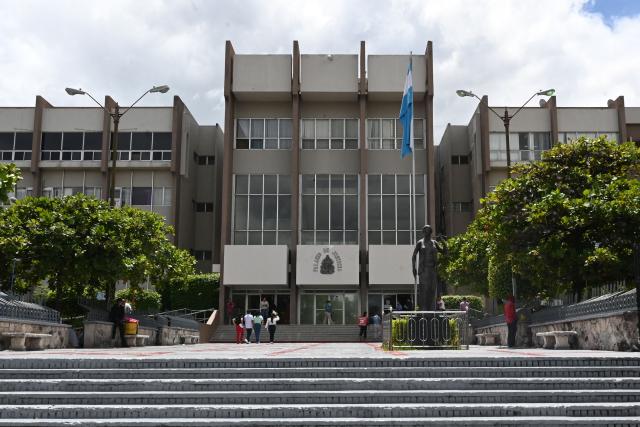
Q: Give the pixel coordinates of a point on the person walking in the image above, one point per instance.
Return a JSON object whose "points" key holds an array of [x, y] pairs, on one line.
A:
{"points": [[229, 308], [117, 315], [512, 320], [264, 307], [257, 326], [328, 312], [248, 326], [272, 321], [464, 304], [363, 322], [376, 321], [237, 321], [440, 304]]}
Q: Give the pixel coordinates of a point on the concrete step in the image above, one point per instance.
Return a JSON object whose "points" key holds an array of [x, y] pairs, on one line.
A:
{"points": [[324, 411], [315, 384], [324, 372], [547, 421], [347, 397]]}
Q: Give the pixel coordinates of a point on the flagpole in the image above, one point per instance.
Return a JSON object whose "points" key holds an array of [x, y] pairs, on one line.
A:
{"points": [[412, 203]]}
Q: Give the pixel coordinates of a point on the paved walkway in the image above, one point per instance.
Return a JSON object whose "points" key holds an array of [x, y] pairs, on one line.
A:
{"points": [[301, 350]]}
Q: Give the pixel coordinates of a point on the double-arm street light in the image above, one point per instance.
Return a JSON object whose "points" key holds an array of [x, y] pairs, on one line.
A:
{"points": [[506, 118], [115, 115]]}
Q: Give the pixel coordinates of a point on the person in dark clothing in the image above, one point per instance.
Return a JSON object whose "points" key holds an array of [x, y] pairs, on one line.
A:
{"points": [[117, 317], [512, 320]]}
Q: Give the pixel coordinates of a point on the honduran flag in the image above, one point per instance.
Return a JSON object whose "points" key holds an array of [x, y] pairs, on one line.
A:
{"points": [[406, 114]]}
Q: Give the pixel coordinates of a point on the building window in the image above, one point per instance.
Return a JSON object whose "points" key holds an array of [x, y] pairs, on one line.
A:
{"points": [[93, 192], [386, 134], [71, 146], [262, 210], [202, 255], [329, 134], [263, 134], [389, 207], [461, 206], [204, 207], [162, 196], [459, 160], [524, 146], [329, 209], [144, 146], [564, 137], [52, 192], [204, 160], [15, 146]]}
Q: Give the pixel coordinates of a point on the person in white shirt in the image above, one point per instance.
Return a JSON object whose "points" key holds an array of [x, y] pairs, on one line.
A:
{"points": [[248, 326], [271, 325]]}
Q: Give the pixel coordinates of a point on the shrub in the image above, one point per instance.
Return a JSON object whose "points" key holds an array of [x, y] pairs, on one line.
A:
{"points": [[452, 302], [196, 292], [141, 299]]}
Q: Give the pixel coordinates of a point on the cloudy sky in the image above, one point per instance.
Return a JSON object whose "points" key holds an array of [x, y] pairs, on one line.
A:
{"points": [[587, 50]]}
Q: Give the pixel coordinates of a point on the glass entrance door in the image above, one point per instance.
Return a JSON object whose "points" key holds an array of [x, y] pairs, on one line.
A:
{"points": [[244, 301], [329, 308]]}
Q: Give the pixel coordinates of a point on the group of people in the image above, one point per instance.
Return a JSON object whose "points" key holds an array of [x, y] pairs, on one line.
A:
{"points": [[252, 323], [119, 314]]}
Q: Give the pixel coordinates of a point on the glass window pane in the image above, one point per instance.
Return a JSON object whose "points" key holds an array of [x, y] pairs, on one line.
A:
{"points": [[271, 144], [255, 184], [308, 184], [351, 184], [388, 212], [269, 238], [257, 144], [285, 184], [322, 212], [157, 197], [337, 212], [351, 144], [141, 141], [351, 212], [388, 184], [351, 237], [388, 237], [240, 215], [141, 196], [336, 237], [404, 237], [322, 129], [24, 141], [337, 128], [6, 141], [337, 144], [162, 141], [403, 184], [285, 128], [255, 237], [373, 128], [421, 219], [387, 128], [255, 212], [242, 130], [271, 126], [124, 140], [72, 141], [308, 131], [523, 140], [374, 237], [374, 212], [242, 184], [307, 238], [308, 144], [270, 212], [257, 128], [168, 196], [242, 144], [322, 144], [419, 184], [51, 140], [403, 211], [337, 184], [373, 184], [240, 238], [322, 184], [417, 128], [93, 141], [284, 238], [285, 144], [270, 184], [284, 212], [322, 237], [307, 212], [351, 128]]}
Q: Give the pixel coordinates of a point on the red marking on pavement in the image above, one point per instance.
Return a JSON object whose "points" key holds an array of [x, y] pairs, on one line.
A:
{"points": [[291, 350], [379, 348], [519, 352]]}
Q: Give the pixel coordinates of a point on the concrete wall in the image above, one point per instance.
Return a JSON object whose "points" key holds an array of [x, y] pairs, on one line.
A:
{"points": [[632, 114], [262, 161], [266, 77], [587, 120], [248, 265], [73, 119], [147, 119], [387, 74], [329, 76], [329, 161], [390, 265], [16, 119], [527, 120]]}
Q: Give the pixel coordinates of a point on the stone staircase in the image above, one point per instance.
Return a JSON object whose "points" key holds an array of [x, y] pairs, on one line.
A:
{"points": [[299, 333], [314, 392]]}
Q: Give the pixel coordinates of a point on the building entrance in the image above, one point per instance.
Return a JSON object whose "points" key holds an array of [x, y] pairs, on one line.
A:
{"points": [[387, 301], [329, 308], [250, 300]]}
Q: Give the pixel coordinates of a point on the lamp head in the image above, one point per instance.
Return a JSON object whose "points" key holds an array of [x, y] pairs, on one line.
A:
{"points": [[161, 89], [72, 91], [548, 92], [463, 93]]}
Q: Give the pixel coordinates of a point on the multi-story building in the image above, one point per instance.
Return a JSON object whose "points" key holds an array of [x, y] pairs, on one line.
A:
{"points": [[472, 158], [315, 196], [166, 163]]}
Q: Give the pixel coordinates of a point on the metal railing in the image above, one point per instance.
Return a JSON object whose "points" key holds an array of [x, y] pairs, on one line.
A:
{"points": [[425, 330], [198, 315], [16, 309]]}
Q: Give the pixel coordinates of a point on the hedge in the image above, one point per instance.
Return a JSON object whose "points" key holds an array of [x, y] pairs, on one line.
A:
{"points": [[452, 302], [141, 299]]}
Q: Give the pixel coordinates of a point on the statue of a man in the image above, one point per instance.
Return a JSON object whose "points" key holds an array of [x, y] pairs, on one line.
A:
{"points": [[424, 269]]}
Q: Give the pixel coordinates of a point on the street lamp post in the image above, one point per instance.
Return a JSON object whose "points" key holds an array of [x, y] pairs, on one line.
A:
{"points": [[115, 116], [506, 118]]}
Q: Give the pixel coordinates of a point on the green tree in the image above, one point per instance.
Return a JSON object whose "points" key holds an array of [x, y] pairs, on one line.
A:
{"points": [[560, 224], [9, 177]]}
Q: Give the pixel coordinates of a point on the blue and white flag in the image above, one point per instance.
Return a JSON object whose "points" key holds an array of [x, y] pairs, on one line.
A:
{"points": [[406, 114]]}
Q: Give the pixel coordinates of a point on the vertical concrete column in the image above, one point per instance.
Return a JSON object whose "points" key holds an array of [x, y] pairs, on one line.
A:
{"points": [[227, 169], [553, 119], [295, 181], [109, 105], [176, 160], [622, 118], [430, 198], [41, 104], [484, 144], [362, 135]]}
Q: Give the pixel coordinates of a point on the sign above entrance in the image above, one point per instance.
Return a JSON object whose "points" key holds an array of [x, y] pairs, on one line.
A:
{"points": [[251, 265], [327, 265]]}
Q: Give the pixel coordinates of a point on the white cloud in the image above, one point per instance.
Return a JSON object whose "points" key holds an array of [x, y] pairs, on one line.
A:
{"points": [[501, 48]]}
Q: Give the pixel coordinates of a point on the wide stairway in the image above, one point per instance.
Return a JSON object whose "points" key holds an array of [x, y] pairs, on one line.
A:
{"points": [[306, 392], [299, 333]]}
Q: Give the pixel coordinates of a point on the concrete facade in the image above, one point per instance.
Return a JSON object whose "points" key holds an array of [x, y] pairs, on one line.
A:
{"points": [[167, 163], [472, 157]]}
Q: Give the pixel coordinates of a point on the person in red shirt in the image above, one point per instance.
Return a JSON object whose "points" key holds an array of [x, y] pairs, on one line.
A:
{"points": [[512, 320], [363, 322]]}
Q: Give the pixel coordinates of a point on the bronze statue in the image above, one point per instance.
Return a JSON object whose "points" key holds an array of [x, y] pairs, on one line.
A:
{"points": [[424, 272]]}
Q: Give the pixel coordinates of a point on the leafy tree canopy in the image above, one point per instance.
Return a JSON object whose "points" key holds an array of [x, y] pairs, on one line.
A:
{"points": [[9, 177]]}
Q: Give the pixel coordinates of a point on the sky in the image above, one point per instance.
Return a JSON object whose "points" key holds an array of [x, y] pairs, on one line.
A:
{"points": [[588, 50]]}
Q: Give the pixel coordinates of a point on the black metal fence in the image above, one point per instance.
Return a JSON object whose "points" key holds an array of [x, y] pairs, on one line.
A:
{"points": [[425, 330], [14, 308]]}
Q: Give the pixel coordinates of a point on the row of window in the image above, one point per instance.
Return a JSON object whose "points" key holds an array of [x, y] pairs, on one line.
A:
{"points": [[323, 134], [15, 146], [329, 209], [204, 207], [58, 192], [460, 160], [144, 196], [204, 160]]}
